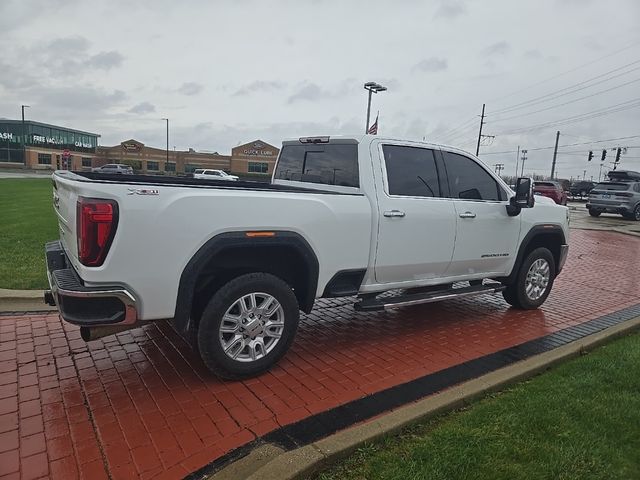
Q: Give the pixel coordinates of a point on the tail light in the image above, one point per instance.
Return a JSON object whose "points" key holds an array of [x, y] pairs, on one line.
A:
{"points": [[96, 220]]}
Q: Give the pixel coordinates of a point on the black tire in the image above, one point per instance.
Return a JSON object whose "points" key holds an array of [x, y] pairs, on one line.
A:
{"points": [[594, 213], [209, 342], [636, 213], [516, 295]]}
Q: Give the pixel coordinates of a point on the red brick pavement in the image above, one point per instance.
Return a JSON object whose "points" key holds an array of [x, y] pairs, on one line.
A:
{"points": [[140, 404]]}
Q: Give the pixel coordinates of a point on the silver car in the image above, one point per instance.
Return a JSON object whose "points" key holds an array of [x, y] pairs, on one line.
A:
{"points": [[621, 195], [114, 168]]}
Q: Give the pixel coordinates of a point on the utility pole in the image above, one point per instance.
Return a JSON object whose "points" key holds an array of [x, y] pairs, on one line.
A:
{"points": [[524, 159], [499, 167], [371, 87], [584, 174], [517, 156], [24, 136], [167, 162], [555, 154], [480, 132]]}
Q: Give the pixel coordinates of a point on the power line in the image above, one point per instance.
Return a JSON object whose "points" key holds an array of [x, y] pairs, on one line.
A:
{"points": [[572, 89], [579, 118], [572, 145], [567, 103], [463, 126], [609, 55]]}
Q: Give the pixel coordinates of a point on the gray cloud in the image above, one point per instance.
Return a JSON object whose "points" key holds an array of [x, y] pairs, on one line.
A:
{"points": [[104, 60], [498, 48], [450, 9], [309, 91], [431, 65], [533, 54], [191, 88], [260, 86], [142, 108], [79, 98], [68, 45]]}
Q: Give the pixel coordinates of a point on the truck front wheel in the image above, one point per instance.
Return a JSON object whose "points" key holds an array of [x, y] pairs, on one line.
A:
{"points": [[248, 325], [533, 282]]}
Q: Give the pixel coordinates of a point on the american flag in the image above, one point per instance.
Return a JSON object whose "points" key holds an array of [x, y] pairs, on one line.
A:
{"points": [[373, 129]]}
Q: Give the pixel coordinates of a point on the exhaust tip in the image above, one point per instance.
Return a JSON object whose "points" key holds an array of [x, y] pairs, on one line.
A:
{"points": [[48, 298]]}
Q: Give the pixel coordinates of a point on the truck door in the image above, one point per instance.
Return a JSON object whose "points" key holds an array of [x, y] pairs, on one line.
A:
{"points": [[487, 238], [417, 225]]}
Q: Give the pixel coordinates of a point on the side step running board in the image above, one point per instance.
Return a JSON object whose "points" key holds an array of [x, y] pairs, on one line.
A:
{"points": [[375, 304]]}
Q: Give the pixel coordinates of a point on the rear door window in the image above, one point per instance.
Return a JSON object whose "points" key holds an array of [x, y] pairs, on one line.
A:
{"points": [[328, 164], [411, 171]]}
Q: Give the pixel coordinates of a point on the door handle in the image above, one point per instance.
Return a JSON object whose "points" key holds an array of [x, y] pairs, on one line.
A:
{"points": [[467, 215], [394, 213]]}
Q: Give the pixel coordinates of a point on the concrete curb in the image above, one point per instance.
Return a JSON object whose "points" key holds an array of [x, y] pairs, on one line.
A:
{"points": [[22, 301], [307, 460]]}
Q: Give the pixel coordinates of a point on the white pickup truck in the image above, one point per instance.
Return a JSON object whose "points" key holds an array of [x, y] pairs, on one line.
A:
{"points": [[233, 263]]}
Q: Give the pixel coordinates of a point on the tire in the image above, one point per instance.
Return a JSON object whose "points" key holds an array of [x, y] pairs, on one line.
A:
{"points": [[594, 213], [636, 213], [534, 264], [244, 331]]}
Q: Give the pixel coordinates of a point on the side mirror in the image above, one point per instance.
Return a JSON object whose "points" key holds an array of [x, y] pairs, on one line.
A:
{"points": [[524, 197], [524, 193]]}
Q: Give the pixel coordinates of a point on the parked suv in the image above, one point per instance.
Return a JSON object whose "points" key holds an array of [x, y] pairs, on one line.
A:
{"points": [[114, 168], [581, 188], [552, 190], [620, 195], [207, 174]]}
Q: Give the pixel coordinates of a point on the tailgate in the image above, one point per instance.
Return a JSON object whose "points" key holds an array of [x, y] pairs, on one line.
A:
{"points": [[65, 197]]}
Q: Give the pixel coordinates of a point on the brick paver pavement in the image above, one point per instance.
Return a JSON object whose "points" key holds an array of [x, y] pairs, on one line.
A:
{"points": [[140, 404]]}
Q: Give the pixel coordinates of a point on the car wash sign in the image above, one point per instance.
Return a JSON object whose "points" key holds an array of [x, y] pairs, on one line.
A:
{"points": [[6, 136]]}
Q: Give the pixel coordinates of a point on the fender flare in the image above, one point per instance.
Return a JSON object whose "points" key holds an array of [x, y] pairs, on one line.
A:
{"points": [[217, 244]]}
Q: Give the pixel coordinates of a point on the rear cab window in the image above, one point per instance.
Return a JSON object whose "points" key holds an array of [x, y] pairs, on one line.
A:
{"points": [[323, 162]]}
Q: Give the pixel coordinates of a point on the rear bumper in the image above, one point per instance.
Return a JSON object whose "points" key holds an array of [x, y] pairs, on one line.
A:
{"points": [[81, 305], [610, 208], [564, 252]]}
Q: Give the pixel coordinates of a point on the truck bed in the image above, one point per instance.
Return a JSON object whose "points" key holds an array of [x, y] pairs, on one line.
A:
{"points": [[174, 181]]}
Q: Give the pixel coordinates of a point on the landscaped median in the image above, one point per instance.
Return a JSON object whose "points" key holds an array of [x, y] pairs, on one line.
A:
{"points": [[27, 221], [581, 420]]}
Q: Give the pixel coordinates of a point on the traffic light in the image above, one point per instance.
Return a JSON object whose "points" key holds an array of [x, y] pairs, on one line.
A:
{"points": [[604, 155], [590, 155], [618, 152]]}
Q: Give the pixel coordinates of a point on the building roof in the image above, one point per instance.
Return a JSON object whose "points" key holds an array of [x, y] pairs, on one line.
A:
{"points": [[48, 125]]}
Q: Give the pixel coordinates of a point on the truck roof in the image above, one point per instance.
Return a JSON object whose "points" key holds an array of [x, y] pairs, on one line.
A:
{"points": [[362, 138]]}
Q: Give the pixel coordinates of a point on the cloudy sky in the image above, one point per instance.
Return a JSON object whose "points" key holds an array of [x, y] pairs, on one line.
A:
{"points": [[227, 72]]}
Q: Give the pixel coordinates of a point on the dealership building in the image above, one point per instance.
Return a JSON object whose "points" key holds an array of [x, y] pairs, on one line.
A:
{"points": [[253, 158], [50, 147], [45, 146]]}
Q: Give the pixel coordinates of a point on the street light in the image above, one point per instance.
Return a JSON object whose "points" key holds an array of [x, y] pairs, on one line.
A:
{"points": [[371, 87], [167, 162], [24, 134]]}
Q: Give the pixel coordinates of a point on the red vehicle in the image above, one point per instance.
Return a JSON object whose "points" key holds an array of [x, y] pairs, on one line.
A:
{"points": [[552, 190]]}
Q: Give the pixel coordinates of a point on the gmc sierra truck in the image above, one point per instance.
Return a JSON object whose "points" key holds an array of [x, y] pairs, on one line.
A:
{"points": [[233, 263]]}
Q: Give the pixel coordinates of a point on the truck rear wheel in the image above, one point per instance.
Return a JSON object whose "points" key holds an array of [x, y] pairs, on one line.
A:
{"points": [[248, 325], [533, 282]]}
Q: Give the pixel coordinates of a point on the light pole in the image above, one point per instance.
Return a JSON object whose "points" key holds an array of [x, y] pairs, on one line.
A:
{"points": [[524, 159], [371, 87], [24, 134], [167, 162]]}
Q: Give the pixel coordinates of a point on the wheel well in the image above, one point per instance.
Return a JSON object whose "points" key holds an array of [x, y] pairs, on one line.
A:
{"points": [[282, 261], [551, 241]]}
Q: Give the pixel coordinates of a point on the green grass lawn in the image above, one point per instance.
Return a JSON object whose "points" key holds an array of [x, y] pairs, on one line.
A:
{"points": [[27, 221], [579, 421]]}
